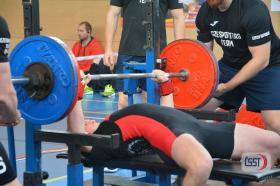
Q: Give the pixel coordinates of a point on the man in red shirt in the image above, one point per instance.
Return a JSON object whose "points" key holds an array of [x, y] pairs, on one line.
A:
{"points": [[86, 46]]}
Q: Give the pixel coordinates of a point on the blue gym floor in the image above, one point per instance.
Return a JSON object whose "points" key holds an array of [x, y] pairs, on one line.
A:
{"points": [[95, 107]]}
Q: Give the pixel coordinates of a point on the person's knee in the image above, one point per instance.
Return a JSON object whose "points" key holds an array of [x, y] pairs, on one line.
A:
{"points": [[273, 125], [212, 104], [272, 120], [273, 143], [201, 167], [123, 101], [144, 96]]}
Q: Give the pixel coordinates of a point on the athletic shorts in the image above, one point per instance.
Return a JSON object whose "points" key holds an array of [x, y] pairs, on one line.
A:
{"points": [[119, 69], [7, 173], [261, 92], [217, 139]]}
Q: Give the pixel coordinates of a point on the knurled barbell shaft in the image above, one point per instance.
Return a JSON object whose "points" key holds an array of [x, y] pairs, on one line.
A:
{"points": [[182, 74], [21, 80]]}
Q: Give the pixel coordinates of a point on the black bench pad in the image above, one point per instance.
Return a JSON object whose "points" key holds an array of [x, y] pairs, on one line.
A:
{"points": [[222, 170]]}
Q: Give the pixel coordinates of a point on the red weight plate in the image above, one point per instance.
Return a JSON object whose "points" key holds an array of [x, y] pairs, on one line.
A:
{"points": [[217, 72], [200, 63]]}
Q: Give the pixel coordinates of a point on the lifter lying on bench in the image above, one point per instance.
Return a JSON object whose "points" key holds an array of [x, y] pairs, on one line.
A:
{"points": [[178, 136]]}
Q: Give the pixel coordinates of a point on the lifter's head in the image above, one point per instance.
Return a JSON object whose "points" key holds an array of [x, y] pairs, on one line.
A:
{"points": [[84, 30]]}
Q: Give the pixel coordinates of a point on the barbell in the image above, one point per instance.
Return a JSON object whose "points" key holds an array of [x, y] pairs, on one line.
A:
{"points": [[46, 76], [92, 57]]}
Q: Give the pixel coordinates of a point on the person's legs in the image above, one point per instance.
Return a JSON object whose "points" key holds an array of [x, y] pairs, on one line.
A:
{"points": [[119, 84], [260, 140], [230, 100], [272, 119], [213, 104], [119, 69], [123, 100], [75, 120], [262, 95], [144, 96], [252, 139], [196, 161]]}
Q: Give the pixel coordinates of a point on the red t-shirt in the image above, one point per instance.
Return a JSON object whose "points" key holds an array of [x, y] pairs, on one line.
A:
{"points": [[94, 47]]}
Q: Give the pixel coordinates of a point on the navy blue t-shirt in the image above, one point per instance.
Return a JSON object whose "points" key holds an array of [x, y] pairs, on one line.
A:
{"points": [[246, 23]]}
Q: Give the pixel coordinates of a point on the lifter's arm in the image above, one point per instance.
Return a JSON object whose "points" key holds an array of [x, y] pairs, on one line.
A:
{"points": [[167, 101], [161, 78], [8, 99], [260, 60]]}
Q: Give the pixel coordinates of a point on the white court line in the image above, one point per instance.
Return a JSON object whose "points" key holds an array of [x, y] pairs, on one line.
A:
{"points": [[94, 112], [95, 100], [89, 117]]}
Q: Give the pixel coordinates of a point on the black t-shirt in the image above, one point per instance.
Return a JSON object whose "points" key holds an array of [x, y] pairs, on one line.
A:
{"points": [[245, 23], [7, 174], [133, 37], [4, 40]]}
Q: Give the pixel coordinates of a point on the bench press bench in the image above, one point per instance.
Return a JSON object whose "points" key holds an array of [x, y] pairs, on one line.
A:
{"points": [[156, 170], [223, 170]]}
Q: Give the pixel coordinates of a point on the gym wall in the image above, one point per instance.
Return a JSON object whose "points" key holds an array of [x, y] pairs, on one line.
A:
{"points": [[60, 18]]}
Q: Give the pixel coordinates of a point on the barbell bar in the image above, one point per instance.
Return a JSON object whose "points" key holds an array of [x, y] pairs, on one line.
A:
{"points": [[21, 80], [46, 76], [92, 57], [181, 75]]}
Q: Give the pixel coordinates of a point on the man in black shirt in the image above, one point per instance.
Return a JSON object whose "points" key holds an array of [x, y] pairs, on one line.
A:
{"points": [[133, 37], [8, 104], [250, 66]]}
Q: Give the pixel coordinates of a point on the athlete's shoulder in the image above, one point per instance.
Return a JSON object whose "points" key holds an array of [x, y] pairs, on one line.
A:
{"points": [[4, 30], [205, 8], [2, 21], [204, 13], [251, 5], [250, 8]]}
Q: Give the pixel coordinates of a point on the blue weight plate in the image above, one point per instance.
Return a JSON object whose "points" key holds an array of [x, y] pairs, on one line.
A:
{"points": [[50, 51], [76, 72]]}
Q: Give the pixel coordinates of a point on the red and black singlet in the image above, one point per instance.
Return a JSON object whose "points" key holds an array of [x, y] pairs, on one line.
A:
{"points": [[146, 126]]}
